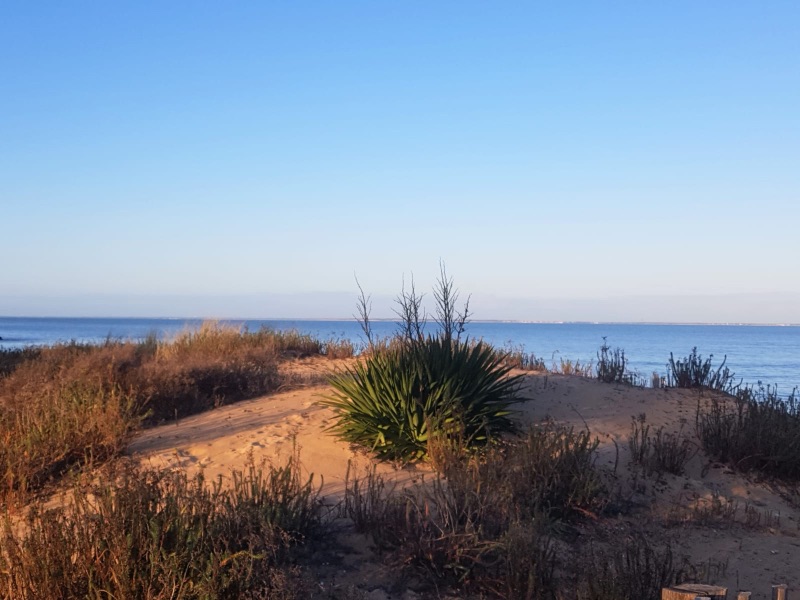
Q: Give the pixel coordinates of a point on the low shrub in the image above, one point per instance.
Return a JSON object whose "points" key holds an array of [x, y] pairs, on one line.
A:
{"points": [[392, 400], [566, 366], [487, 521], [338, 349], [518, 358], [611, 364], [10, 358], [153, 534], [662, 453], [552, 470], [527, 563], [694, 372], [756, 431], [640, 443], [634, 569]]}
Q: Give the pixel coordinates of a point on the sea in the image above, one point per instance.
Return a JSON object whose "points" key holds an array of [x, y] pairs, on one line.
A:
{"points": [[755, 353]]}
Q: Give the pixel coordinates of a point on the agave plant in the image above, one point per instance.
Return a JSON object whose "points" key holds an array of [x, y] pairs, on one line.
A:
{"points": [[396, 398]]}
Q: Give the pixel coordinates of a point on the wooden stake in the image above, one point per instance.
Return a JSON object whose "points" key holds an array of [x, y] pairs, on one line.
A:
{"points": [[779, 592], [691, 591]]}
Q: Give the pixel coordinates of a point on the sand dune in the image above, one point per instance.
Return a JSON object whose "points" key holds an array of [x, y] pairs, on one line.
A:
{"points": [[266, 428]]}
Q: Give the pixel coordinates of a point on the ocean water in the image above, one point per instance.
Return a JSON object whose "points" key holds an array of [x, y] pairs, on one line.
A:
{"points": [[769, 354]]}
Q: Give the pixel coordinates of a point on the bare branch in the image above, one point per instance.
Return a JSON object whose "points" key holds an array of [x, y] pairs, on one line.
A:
{"points": [[411, 313], [364, 308]]}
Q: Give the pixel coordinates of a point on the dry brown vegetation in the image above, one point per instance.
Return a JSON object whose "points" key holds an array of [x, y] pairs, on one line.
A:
{"points": [[74, 404], [156, 534], [532, 516]]}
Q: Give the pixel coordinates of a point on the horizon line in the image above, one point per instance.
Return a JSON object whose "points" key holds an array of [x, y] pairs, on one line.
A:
{"points": [[395, 320]]}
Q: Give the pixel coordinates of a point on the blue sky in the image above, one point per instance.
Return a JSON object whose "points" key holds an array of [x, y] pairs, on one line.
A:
{"points": [[591, 161]]}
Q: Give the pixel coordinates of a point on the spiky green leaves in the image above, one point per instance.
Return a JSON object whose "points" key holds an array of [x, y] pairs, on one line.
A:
{"points": [[396, 398]]}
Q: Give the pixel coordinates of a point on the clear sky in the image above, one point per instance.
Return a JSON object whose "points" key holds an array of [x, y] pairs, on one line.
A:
{"points": [[589, 161]]}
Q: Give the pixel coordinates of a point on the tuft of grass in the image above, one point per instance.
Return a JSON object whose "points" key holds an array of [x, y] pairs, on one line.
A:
{"points": [[517, 358], [153, 534], [566, 366], [640, 443], [339, 348], [715, 511], [758, 430], [761, 519]]}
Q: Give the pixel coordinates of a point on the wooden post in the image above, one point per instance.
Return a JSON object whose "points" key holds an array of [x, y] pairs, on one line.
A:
{"points": [[743, 596], [691, 591], [779, 592]]}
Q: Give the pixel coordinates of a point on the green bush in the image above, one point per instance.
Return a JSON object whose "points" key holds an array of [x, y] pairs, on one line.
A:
{"points": [[392, 401]]}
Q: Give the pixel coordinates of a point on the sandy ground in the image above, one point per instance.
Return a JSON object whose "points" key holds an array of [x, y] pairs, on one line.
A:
{"points": [[741, 557]]}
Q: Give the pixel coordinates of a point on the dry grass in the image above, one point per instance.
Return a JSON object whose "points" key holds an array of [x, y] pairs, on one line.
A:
{"points": [[517, 358], [486, 523], [149, 534], [74, 404]]}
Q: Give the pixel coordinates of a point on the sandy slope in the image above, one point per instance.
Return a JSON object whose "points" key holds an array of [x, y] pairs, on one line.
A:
{"points": [[265, 427]]}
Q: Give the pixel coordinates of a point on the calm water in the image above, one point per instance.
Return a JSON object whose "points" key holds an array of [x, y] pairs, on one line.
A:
{"points": [[755, 353]]}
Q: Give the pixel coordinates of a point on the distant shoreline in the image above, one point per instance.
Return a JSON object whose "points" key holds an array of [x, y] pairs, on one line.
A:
{"points": [[394, 319]]}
